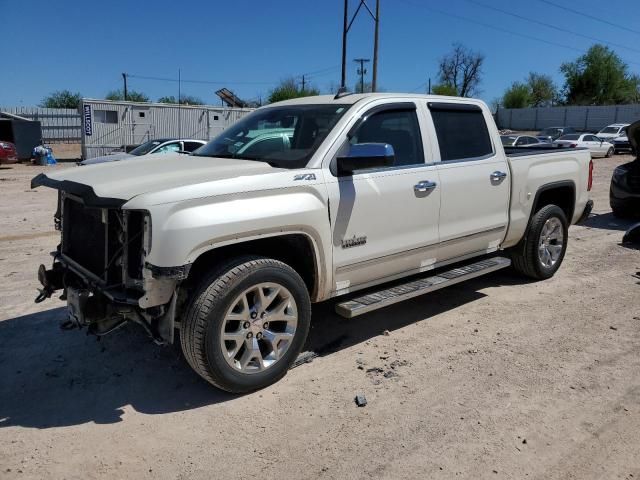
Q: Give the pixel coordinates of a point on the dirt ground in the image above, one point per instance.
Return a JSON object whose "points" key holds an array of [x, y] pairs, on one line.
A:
{"points": [[494, 378]]}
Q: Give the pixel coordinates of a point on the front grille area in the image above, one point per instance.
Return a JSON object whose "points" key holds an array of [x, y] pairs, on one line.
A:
{"points": [[105, 241], [83, 236]]}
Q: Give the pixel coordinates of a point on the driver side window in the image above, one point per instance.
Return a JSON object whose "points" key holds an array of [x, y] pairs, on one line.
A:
{"points": [[400, 129]]}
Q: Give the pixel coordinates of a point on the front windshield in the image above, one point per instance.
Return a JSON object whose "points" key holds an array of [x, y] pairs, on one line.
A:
{"points": [[506, 141], [284, 136], [609, 130], [570, 137], [145, 147]]}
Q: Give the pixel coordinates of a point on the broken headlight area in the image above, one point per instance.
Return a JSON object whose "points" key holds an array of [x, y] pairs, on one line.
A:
{"points": [[100, 266]]}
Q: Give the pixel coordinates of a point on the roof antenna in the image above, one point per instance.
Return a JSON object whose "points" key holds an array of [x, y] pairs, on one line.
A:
{"points": [[342, 92]]}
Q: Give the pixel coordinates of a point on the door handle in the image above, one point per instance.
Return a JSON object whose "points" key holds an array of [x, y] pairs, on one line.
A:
{"points": [[424, 186], [497, 175]]}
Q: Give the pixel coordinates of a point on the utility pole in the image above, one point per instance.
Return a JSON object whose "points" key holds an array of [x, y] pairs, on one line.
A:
{"points": [[346, 26], [429, 85], [303, 83], [345, 29], [361, 71], [374, 76], [179, 107], [124, 78]]}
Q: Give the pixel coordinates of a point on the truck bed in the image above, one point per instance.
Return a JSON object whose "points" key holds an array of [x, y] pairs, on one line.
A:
{"points": [[522, 151]]}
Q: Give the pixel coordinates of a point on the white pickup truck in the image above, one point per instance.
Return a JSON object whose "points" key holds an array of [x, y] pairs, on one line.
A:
{"points": [[299, 202]]}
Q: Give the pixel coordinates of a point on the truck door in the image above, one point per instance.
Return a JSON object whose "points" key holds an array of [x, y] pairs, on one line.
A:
{"points": [[474, 179], [385, 221]]}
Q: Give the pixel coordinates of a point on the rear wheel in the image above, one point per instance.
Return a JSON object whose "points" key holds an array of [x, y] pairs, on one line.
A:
{"points": [[610, 152], [540, 253], [246, 324]]}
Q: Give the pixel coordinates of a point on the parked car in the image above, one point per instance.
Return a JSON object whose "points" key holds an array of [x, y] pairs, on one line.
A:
{"points": [[260, 142], [8, 153], [552, 133], [611, 132], [233, 249], [160, 145], [624, 194], [597, 147], [622, 144], [520, 141]]}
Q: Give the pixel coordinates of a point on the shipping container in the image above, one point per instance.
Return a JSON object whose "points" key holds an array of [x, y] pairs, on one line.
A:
{"points": [[109, 126]]}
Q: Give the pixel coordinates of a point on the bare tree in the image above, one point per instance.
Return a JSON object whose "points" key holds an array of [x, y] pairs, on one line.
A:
{"points": [[461, 69]]}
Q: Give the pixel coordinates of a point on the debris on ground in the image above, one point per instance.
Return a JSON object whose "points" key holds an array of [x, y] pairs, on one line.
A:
{"points": [[612, 327], [304, 357], [361, 400]]}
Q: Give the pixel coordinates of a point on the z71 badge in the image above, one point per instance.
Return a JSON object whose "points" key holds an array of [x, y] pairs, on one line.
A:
{"points": [[354, 241]]}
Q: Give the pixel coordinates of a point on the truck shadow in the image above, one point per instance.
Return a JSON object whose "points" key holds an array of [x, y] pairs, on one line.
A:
{"points": [[607, 221], [330, 333], [52, 378]]}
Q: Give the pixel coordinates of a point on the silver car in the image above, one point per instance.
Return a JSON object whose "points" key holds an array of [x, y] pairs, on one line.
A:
{"points": [[160, 145]]}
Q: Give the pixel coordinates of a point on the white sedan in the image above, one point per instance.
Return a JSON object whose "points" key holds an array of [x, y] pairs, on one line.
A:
{"points": [[597, 147]]}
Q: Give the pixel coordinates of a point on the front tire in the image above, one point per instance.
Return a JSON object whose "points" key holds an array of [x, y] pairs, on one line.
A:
{"points": [[540, 253], [246, 324], [609, 153]]}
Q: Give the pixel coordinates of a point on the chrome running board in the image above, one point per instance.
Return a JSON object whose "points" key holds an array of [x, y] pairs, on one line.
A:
{"points": [[384, 298]]}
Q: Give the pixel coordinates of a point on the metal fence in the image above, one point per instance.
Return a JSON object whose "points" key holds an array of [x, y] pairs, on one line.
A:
{"points": [[581, 118], [59, 125]]}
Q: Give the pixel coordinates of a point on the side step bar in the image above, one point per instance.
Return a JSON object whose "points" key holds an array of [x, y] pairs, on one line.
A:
{"points": [[384, 298]]}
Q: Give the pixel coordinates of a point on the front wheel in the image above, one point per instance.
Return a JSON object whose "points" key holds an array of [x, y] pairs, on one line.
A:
{"points": [[246, 324], [610, 152], [540, 253]]}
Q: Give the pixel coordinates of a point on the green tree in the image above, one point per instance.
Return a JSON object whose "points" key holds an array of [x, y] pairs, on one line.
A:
{"points": [[444, 89], [461, 69], [62, 99], [288, 88], [542, 90], [517, 95], [599, 77], [184, 100], [132, 96]]}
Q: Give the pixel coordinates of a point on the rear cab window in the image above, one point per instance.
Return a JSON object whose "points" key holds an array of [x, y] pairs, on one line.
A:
{"points": [[461, 130]]}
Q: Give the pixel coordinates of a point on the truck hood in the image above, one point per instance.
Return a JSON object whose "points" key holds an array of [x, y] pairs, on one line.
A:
{"points": [[106, 183]]}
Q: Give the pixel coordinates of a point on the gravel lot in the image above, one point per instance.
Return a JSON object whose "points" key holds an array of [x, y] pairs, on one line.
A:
{"points": [[494, 378]]}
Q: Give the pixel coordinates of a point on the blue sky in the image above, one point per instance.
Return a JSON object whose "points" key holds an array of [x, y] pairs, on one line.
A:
{"points": [[248, 45]]}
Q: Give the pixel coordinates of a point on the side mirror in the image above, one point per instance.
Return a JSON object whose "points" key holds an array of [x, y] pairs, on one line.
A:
{"points": [[362, 156]]}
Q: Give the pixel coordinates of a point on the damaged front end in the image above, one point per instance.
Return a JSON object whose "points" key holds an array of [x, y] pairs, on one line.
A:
{"points": [[100, 265]]}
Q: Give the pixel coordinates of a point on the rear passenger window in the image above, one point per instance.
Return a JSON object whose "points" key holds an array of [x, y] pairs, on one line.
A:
{"points": [[400, 129], [461, 130]]}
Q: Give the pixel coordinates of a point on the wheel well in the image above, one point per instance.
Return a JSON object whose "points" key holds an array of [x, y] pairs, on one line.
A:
{"points": [[296, 250], [562, 195]]}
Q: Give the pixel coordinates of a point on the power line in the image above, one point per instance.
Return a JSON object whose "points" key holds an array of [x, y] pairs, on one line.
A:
{"points": [[592, 17], [323, 71], [538, 22], [207, 82], [499, 29]]}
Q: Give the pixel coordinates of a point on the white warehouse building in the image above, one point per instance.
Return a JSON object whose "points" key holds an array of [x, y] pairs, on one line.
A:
{"points": [[111, 125]]}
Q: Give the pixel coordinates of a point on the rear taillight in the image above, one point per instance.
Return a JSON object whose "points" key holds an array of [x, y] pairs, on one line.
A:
{"points": [[590, 181]]}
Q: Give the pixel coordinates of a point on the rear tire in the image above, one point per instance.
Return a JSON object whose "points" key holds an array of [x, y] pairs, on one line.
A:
{"points": [[246, 324], [540, 253], [609, 153]]}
